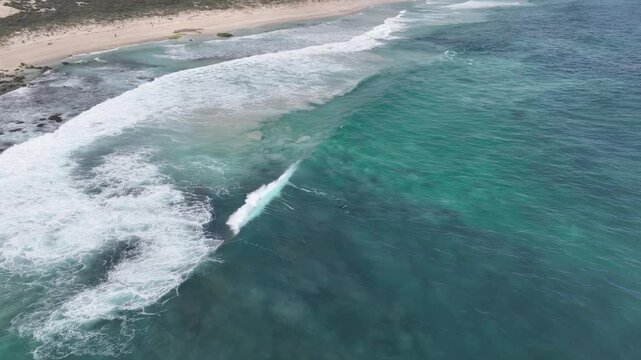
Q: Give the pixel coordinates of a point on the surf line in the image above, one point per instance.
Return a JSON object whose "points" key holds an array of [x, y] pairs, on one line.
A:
{"points": [[258, 199]]}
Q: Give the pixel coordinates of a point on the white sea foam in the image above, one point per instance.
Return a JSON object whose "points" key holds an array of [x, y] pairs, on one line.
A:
{"points": [[137, 205], [261, 43], [55, 219], [36, 175], [257, 200], [481, 4]]}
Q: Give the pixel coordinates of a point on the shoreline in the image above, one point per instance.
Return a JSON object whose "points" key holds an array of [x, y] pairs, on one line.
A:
{"points": [[43, 48]]}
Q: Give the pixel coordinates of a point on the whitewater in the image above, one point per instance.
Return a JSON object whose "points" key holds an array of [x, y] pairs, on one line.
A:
{"points": [[174, 149], [59, 216]]}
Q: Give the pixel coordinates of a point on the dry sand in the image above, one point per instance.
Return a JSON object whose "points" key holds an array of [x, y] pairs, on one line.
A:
{"points": [[6, 10], [43, 48]]}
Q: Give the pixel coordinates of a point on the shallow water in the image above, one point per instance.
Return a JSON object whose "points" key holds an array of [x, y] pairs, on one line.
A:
{"points": [[466, 187]]}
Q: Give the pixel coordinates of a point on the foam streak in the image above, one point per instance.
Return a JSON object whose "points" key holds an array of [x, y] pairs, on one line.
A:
{"points": [[258, 199]]}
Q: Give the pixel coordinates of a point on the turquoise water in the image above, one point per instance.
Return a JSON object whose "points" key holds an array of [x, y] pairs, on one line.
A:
{"points": [[467, 187]]}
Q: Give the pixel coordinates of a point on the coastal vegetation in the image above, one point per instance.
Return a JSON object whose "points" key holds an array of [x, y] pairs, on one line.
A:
{"points": [[51, 15], [40, 14], [182, 32]]}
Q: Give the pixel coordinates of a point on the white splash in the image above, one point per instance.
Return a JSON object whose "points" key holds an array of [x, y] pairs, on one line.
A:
{"points": [[258, 199], [480, 4], [47, 218], [54, 222], [131, 203]]}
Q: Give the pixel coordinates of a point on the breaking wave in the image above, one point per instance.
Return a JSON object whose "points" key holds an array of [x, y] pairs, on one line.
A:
{"points": [[480, 4], [257, 200], [58, 216]]}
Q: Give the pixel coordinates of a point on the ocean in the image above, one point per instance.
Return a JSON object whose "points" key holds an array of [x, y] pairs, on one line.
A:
{"points": [[423, 180]]}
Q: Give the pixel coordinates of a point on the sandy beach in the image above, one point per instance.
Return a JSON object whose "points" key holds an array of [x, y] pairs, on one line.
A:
{"points": [[43, 48], [6, 10]]}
